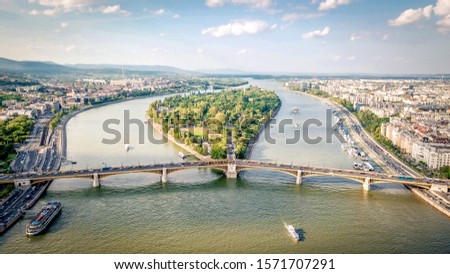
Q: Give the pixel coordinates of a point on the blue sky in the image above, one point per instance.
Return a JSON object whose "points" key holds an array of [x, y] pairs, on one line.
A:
{"points": [[308, 36]]}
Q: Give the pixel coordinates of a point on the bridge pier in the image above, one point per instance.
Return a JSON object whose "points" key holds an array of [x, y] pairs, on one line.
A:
{"points": [[231, 171], [366, 184], [299, 177], [96, 180], [164, 175]]}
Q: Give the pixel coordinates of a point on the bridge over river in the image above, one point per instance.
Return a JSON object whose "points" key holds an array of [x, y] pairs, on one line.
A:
{"points": [[231, 170]]}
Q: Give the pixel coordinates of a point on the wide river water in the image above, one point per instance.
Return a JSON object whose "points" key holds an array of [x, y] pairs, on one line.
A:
{"points": [[200, 211]]}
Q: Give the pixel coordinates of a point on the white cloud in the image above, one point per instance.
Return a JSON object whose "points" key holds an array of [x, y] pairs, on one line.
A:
{"points": [[200, 50], [238, 28], [64, 25], [176, 16], [66, 4], [47, 12], [442, 7], [317, 33], [444, 24], [351, 58], [273, 11], [292, 17], [113, 9], [411, 16], [34, 12], [162, 34], [159, 12], [242, 51], [385, 37], [69, 48], [356, 36], [51, 12], [253, 3], [336, 58], [332, 4]]}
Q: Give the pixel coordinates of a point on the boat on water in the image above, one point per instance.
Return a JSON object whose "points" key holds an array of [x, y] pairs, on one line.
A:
{"points": [[127, 147], [294, 110], [358, 166], [43, 218], [182, 155], [368, 167], [294, 235]]}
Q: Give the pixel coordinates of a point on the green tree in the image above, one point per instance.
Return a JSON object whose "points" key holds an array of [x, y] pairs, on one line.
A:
{"points": [[218, 151]]}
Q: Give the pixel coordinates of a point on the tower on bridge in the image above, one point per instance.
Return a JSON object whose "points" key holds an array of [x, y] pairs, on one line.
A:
{"points": [[299, 177], [96, 180], [164, 175], [366, 183], [232, 171]]}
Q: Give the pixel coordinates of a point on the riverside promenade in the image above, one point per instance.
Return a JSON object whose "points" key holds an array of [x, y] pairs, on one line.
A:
{"points": [[438, 200]]}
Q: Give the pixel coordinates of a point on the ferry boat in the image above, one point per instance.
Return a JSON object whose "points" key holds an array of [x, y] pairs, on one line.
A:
{"points": [[182, 155], [127, 147], [294, 235], [43, 218], [294, 110]]}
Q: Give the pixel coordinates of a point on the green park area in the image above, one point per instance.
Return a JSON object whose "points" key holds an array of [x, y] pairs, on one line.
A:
{"points": [[203, 121]]}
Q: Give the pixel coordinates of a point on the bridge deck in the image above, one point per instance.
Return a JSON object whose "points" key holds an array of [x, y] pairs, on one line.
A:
{"points": [[223, 165]]}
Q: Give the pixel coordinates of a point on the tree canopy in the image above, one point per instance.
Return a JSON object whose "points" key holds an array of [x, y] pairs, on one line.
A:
{"points": [[204, 119]]}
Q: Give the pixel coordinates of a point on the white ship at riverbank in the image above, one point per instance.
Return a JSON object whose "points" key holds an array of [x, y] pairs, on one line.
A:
{"points": [[43, 218]]}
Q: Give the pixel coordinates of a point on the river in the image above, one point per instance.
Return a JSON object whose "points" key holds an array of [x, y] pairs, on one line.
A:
{"points": [[200, 211]]}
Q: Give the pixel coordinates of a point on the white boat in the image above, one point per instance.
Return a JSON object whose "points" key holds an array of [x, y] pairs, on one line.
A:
{"points": [[182, 155], [43, 218], [368, 167], [357, 166], [294, 235], [127, 147]]}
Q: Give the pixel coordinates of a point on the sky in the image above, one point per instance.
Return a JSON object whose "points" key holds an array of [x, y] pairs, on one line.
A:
{"points": [[275, 36]]}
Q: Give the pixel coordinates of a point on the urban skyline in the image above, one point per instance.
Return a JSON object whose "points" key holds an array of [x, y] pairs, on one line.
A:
{"points": [[329, 36]]}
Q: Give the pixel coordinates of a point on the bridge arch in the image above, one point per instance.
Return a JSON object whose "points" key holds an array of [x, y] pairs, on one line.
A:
{"points": [[300, 173]]}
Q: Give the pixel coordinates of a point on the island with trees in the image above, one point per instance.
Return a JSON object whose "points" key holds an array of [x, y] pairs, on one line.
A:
{"points": [[209, 123]]}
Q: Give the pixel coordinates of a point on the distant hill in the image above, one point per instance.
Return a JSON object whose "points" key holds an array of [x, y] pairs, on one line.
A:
{"points": [[132, 68], [224, 71], [31, 66], [51, 67]]}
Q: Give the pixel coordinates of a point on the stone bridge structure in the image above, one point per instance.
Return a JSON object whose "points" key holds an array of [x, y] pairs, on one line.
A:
{"points": [[231, 170]]}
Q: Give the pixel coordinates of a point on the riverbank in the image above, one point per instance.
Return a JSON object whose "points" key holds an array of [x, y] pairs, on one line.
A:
{"points": [[426, 195], [432, 200], [169, 137], [251, 144]]}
